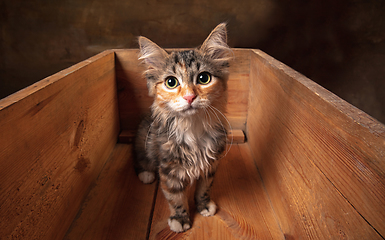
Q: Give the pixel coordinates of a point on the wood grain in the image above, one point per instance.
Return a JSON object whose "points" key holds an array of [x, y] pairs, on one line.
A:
{"points": [[133, 94], [244, 209], [234, 136], [312, 166], [323, 168], [55, 137], [119, 206]]}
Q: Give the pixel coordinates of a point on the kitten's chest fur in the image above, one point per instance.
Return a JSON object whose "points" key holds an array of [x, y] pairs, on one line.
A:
{"points": [[191, 143]]}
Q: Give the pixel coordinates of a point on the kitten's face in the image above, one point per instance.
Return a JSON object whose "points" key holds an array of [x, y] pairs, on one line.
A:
{"points": [[189, 84]]}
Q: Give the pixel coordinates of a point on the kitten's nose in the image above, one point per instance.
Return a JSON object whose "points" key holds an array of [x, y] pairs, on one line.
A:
{"points": [[189, 98]]}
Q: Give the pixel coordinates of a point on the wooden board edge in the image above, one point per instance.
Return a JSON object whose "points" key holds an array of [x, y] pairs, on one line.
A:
{"points": [[27, 91], [355, 114], [349, 117]]}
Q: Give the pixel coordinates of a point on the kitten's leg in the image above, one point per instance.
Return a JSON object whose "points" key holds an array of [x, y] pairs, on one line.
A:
{"points": [[144, 158], [147, 177], [205, 206], [174, 190]]}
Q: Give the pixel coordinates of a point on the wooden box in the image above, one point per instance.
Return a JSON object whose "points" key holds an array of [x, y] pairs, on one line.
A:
{"points": [[304, 164]]}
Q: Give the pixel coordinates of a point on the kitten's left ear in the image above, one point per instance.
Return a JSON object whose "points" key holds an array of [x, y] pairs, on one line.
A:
{"points": [[152, 54], [215, 45]]}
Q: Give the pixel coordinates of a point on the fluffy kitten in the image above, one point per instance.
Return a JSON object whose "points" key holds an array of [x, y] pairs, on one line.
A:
{"points": [[185, 135]]}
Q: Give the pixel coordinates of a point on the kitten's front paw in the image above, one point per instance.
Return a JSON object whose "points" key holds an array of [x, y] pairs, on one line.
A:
{"points": [[208, 210], [146, 177], [179, 224]]}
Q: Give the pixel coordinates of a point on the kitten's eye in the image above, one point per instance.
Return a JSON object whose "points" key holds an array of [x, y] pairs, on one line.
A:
{"points": [[171, 82], [204, 78]]}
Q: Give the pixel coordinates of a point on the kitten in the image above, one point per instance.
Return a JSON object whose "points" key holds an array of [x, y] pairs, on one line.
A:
{"points": [[185, 135]]}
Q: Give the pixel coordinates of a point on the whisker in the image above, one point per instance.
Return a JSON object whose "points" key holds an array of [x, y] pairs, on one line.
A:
{"points": [[207, 114], [220, 122], [224, 129], [231, 129]]}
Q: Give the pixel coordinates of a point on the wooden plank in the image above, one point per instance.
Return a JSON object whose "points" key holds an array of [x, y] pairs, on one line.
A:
{"points": [[55, 136], [323, 170], [119, 206], [234, 136], [132, 89], [238, 89], [126, 136], [244, 211], [133, 94]]}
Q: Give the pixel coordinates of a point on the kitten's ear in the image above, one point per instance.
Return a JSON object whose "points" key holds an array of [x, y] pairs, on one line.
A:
{"points": [[215, 44], [152, 54]]}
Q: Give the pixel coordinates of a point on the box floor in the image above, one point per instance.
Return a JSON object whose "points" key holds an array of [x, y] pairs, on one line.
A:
{"points": [[119, 206]]}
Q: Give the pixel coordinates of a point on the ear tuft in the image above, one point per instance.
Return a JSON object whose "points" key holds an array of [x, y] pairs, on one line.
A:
{"points": [[215, 45], [152, 54]]}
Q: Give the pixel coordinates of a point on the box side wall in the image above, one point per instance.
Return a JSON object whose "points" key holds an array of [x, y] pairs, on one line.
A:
{"points": [[321, 159], [55, 137], [133, 94]]}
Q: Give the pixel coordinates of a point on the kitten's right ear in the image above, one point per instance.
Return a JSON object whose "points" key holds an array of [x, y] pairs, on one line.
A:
{"points": [[152, 54]]}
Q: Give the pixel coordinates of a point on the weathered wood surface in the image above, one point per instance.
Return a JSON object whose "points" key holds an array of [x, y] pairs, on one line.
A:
{"points": [[244, 211], [119, 206], [133, 94], [55, 136], [321, 159]]}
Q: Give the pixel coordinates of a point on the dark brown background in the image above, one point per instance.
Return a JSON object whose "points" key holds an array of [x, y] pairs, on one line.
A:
{"points": [[338, 44]]}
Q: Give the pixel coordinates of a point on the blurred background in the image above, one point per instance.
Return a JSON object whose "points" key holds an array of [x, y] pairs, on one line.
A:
{"points": [[338, 44]]}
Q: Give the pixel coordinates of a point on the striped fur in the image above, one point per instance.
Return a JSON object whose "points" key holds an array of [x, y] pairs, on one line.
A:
{"points": [[185, 135]]}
